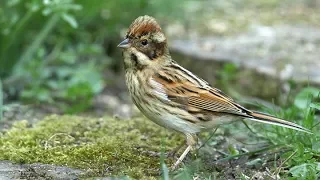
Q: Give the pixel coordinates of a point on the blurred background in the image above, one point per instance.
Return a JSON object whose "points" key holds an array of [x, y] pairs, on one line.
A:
{"points": [[60, 56]]}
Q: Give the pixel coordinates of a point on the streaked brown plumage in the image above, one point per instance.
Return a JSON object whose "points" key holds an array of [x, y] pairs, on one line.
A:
{"points": [[172, 96]]}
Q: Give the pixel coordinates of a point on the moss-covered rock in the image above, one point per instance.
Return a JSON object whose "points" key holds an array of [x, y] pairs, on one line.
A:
{"points": [[102, 147]]}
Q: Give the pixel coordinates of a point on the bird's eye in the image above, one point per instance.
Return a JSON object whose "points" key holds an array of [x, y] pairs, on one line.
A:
{"points": [[144, 42]]}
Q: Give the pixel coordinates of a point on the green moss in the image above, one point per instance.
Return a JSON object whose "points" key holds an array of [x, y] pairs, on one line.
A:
{"points": [[101, 147]]}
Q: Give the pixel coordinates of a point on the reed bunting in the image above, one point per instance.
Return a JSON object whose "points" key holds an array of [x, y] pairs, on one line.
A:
{"points": [[172, 96]]}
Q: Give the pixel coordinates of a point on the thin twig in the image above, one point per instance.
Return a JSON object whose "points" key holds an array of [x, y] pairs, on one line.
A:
{"points": [[53, 136]]}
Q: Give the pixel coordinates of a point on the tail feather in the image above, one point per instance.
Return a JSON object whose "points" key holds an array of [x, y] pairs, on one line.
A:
{"points": [[268, 119]]}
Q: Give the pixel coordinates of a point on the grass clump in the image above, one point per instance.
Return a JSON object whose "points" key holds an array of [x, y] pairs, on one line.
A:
{"points": [[101, 147]]}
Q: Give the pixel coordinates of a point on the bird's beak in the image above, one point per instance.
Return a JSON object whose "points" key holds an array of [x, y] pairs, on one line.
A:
{"points": [[124, 44]]}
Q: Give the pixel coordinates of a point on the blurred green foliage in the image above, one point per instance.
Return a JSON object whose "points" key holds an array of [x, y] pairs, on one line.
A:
{"points": [[304, 97], [55, 51]]}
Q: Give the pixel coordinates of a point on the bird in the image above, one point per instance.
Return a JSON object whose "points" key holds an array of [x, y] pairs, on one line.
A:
{"points": [[172, 96]]}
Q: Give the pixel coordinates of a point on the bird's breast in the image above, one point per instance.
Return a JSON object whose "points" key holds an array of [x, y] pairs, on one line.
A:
{"points": [[156, 107]]}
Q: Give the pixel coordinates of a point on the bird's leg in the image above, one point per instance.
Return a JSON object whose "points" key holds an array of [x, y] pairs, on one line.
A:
{"points": [[191, 141], [183, 155]]}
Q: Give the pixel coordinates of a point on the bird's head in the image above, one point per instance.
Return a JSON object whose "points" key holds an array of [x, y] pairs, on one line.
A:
{"points": [[145, 45]]}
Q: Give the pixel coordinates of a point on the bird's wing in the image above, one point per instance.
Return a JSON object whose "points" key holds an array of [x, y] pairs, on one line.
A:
{"points": [[192, 95]]}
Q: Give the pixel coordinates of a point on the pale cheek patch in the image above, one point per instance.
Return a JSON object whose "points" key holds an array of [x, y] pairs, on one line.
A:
{"points": [[142, 58], [158, 90]]}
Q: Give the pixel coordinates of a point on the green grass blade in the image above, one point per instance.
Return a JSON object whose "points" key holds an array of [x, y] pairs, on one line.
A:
{"points": [[1, 101], [164, 168], [164, 171]]}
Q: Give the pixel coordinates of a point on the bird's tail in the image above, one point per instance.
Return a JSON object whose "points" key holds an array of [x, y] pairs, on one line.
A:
{"points": [[268, 119]]}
